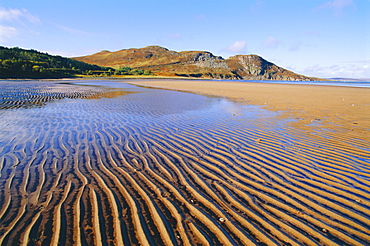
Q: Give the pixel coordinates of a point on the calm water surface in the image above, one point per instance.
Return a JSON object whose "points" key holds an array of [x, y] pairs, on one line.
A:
{"points": [[346, 83]]}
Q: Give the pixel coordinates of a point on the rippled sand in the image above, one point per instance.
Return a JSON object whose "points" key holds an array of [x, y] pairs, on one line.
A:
{"points": [[121, 165]]}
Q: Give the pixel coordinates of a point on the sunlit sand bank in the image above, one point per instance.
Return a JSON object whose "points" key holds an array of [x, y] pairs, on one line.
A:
{"points": [[340, 108], [94, 165]]}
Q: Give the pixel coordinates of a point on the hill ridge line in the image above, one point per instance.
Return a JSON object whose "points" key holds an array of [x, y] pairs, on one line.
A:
{"points": [[200, 64]]}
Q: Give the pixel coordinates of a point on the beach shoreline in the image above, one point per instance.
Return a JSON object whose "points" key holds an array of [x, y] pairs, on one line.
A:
{"points": [[340, 109]]}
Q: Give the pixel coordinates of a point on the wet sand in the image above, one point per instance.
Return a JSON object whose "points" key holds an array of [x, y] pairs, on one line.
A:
{"points": [[343, 109], [137, 166]]}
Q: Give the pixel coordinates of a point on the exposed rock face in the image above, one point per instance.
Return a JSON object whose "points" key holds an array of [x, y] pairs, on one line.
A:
{"points": [[254, 67], [162, 61], [199, 56], [212, 64]]}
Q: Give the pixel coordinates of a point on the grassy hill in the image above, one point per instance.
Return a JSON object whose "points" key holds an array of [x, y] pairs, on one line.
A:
{"points": [[151, 60], [203, 64], [22, 63]]}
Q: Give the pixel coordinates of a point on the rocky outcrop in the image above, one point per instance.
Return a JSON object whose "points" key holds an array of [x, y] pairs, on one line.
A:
{"points": [[201, 64], [199, 56], [253, 67]]}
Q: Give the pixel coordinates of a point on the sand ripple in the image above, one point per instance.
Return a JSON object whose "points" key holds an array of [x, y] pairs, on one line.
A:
{"points": [[88, 172]]}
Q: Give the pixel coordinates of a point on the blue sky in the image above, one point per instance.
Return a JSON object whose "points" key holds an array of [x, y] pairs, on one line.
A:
{"points": [[323, 38]]}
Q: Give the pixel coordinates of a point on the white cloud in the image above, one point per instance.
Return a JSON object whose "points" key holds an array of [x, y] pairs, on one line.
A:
{"points": [[7, 33], [336, 5], [271, 42], [15, 22], [361, 61], [337, 71], [313, 68], [19, 15], [237, 47]]}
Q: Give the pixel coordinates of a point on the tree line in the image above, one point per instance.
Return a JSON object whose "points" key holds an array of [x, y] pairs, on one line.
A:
{"points": [[20, 63]]}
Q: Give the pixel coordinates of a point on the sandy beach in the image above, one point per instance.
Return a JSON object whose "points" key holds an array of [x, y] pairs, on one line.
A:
{"points": [[345, 109], [109, 163]]}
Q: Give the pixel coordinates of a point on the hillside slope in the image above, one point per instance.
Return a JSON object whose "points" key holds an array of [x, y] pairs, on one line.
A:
{"points": [[162, 61], [22, 63]]}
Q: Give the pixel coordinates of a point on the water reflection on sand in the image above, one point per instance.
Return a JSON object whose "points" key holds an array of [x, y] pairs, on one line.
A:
{"points": [[155, 167]]}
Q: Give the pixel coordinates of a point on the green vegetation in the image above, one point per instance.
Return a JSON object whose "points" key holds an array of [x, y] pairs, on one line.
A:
{"points": [[130, 71], [21, 63], [195, 75]]}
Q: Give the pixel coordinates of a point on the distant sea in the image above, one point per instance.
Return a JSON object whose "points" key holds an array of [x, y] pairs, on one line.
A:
{"points": [[357, 83]]}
